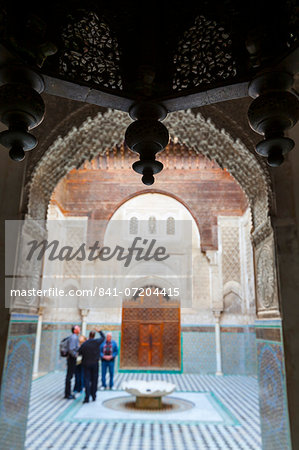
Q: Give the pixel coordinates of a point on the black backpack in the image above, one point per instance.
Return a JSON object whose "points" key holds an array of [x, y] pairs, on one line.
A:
{"points": [[64, 347]]}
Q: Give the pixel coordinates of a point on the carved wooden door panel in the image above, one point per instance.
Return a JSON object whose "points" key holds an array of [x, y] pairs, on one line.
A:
{"points": [[156, 341], [150, 344], [144, 345], [151, 331]]}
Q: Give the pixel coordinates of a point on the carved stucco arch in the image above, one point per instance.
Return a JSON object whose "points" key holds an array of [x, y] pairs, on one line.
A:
{"points": [[107, 129]]}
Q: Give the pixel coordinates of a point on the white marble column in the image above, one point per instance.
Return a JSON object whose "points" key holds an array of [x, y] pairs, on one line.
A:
{"points": [[37, 341], [84, 314], [217, 315]]}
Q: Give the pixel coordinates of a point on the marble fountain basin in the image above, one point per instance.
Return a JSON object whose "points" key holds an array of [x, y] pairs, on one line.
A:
{"points": [[148, 393]]}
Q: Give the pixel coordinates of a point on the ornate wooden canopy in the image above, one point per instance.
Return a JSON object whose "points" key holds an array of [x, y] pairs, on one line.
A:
{"points": [[150, 60]]}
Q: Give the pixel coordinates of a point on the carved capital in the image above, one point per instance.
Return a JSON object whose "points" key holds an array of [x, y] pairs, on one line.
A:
{"points": [[213, 257], [84, 313], [217, 314]]}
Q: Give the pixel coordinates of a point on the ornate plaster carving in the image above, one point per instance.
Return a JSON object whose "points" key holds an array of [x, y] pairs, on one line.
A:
{"points": [[28, 273], [266, 277], [94, 137], [203, 137], [261, 232], [107, 129]]}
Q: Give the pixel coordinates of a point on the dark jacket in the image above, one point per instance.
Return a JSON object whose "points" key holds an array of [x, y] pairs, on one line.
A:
{"points": [[90, 350]]}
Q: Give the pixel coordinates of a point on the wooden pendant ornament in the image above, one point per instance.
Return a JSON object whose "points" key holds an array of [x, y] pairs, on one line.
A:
{"points": [[274, 110], [147, 136], [21, 109]]}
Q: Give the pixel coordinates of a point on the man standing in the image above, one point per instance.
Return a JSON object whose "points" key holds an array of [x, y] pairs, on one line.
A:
{"points": [[90, 351], [109, 351], [73, 347]]}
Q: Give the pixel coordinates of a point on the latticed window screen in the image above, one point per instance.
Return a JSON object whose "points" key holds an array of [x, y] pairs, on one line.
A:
{"points": [[170, 225], [133, 225], [152, 225]]}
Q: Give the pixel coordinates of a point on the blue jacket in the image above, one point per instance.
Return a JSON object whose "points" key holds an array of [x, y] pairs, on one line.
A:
{"points": [[114, 349]]}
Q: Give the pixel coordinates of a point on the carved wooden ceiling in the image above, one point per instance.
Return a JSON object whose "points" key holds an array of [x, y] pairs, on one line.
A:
{"points": [[159, 50]]}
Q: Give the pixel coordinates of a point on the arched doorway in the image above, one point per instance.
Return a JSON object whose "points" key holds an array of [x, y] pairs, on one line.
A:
{"points": [[151, 316]]}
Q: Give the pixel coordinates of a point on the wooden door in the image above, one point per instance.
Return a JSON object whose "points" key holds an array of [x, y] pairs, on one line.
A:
{"points": [[150, 345]]}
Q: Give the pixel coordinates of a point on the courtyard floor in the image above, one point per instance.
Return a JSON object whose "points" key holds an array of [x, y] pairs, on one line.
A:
{"points": [[224, 415]]}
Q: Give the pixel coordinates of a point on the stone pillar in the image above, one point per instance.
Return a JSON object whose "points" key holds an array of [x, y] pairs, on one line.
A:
{"points": [[16, 380], [217, 301], [37, 341], [270, 349], [11, 184], [285, 221], [16, 332], [217, 315], [84, 314], [19, 356]]}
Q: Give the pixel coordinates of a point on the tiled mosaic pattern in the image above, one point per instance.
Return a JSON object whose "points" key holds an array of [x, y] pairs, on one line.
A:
{"points": [[250, 353], [273, 404], [50, 359], [238, 394], [199, 352], [238, 349], [15, 389], [239, 353]]}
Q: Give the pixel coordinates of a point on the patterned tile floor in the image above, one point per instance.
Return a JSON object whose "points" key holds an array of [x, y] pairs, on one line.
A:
{"points": [[50, 424]]}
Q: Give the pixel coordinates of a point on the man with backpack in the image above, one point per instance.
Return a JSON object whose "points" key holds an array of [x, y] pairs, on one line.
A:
{"points": [[72, 353]]}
